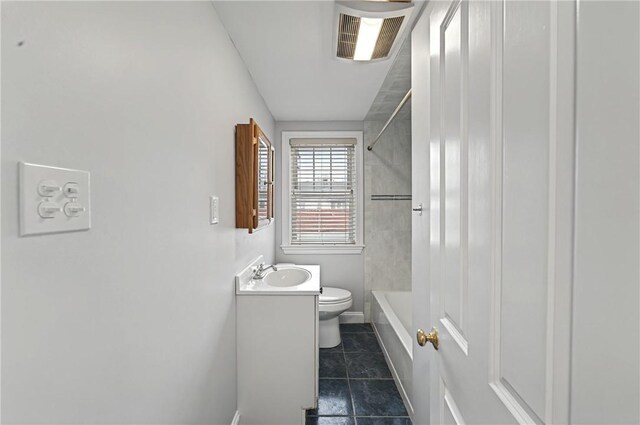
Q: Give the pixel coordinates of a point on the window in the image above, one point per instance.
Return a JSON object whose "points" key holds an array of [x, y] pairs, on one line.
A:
{"points": [[323, 192], [322, 197]]}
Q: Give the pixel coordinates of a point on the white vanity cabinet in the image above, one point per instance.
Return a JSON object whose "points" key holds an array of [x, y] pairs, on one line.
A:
{"points": [[277, 353]]}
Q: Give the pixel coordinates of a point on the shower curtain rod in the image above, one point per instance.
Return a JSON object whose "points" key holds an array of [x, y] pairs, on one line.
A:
{"points": [[402, 102]]}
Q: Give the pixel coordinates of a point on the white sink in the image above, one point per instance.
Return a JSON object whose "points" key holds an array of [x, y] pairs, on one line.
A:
{"points": [[286, 277]]}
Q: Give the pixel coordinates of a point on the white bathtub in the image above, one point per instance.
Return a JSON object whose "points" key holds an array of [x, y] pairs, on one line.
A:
{"points": [[391, 319]]}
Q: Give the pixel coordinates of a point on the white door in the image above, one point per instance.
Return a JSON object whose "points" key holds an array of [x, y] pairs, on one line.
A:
{"points": [[499, 122], [420, 192]]}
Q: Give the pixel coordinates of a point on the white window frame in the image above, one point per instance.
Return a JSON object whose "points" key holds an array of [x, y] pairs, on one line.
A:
{"points": [[285, 187]]}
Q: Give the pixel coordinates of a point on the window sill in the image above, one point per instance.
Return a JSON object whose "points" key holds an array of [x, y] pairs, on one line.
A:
{"points": [[324, 249]]}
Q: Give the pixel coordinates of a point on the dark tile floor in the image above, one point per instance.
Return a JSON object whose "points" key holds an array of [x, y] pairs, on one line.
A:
{"points": [[356, 387]]}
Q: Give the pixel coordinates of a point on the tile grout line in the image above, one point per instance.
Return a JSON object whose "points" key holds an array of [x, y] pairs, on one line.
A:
{"points": [[355, 417], [346, 369]]}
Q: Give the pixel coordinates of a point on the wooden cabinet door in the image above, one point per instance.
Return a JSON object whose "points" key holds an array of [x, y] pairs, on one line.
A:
{"points": [[254, 177]]}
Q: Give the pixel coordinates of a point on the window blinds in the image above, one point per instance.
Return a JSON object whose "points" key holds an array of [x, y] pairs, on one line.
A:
{"points": [[323, 192], [263, 180]]}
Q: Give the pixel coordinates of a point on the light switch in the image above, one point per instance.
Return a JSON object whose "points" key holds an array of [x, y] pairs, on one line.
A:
{"points": [[48, 209], [48, 188], [214, 210], [73, 209], [71, 190], [53, 199]]}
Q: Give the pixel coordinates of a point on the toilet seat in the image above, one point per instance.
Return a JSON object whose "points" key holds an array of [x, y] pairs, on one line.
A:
{"points": [[331, 295]]}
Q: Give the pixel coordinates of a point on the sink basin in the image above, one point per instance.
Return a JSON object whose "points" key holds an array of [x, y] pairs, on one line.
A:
{"points": [[288, 279], [291, 276]]}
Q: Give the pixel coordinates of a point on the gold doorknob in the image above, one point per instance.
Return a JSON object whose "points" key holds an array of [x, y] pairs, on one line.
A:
{"points": [[431, 337]]}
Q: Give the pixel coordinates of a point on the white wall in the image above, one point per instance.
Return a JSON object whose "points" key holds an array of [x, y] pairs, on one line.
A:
{"points": [[605, 376], [342, 271], [134, 320]]}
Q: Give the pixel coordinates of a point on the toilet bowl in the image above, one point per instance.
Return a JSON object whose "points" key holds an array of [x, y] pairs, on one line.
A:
{"points": [[332, 303]]}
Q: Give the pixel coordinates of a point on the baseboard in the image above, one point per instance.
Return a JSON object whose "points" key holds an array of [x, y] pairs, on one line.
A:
{"points": [[352, 317], [236, 419]]}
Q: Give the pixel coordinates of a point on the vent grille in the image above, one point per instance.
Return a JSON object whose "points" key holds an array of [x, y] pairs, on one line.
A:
{"points": [[348, 27], [347, 35], [388, 34]]}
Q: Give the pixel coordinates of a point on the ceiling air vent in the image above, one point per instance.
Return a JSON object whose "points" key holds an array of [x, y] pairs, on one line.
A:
{"points": [[388, 34], [370, 32], [347, 35]]}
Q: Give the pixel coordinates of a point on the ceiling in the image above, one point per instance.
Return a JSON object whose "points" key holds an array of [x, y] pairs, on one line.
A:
{"points": [[287, 47], [394, 88]]}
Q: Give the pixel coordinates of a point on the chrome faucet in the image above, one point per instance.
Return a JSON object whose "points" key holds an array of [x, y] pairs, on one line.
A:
{"points": [[260, 271]]}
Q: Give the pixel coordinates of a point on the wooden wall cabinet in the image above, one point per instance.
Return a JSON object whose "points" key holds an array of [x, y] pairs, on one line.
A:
{"points": [[254, 177]]}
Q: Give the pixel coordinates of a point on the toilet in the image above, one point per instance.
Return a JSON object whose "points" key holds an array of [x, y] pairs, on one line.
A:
{"points": [[332, 303]]}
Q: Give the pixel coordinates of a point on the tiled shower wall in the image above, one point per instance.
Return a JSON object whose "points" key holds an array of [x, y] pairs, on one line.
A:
{"points": [[387, 168]]}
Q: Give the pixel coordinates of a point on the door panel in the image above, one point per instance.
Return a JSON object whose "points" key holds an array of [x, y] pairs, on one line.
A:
{"points": [[525, 202], [454, 293], [450, 412], [530, 172]]}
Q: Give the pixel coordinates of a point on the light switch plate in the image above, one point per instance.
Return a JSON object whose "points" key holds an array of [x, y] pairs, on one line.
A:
{"points": [[44, 205], [214, 210]]}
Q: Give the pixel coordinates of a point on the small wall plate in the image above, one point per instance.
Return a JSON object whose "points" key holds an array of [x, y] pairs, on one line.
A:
{"points": [[34, 198]]}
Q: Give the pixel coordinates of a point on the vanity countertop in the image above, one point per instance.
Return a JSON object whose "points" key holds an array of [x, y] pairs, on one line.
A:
{"points": [[247, 286]]}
